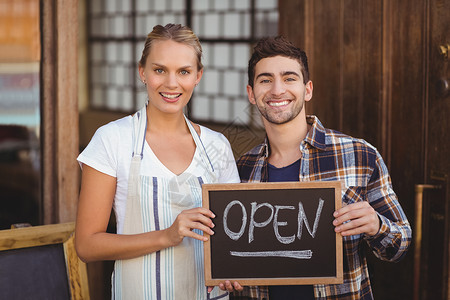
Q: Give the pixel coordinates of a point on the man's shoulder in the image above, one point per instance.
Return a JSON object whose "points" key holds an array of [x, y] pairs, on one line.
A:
{"points": [[327, 138], [335, 138], [253, 153]]}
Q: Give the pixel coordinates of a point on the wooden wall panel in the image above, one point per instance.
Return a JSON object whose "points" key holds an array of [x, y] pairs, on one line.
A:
{"points": [[409, 76], [327, 62], [369, 69]]}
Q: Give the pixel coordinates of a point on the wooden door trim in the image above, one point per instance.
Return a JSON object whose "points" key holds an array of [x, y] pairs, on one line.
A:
{"points": [[59, 98]]}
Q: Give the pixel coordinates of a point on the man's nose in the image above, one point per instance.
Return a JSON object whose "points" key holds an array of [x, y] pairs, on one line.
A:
{"points": [[278, 87]]}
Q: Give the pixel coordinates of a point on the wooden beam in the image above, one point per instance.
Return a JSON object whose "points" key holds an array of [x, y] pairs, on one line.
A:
{"points": [[60, 110]]}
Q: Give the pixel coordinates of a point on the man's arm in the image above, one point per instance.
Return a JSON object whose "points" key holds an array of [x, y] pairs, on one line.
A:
{"points": [[381, 219]]}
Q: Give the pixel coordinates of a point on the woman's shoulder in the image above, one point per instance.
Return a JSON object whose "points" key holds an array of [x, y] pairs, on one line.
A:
{"points": [[119, 126], [208, 134]]}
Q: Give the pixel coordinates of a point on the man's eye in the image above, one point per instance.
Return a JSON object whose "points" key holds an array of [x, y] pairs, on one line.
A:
{"points": [[290, 79], [265, 81]]}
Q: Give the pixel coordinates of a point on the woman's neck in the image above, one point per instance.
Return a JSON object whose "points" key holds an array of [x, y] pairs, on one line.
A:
{"points": [[166, 123]]}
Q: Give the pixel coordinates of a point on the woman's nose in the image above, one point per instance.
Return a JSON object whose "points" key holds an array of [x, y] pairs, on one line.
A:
{"points": [[171, 80]]}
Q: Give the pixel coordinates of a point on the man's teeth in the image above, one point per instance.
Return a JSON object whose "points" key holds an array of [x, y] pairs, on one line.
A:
{"points": [[170, 96], [278, 103]]}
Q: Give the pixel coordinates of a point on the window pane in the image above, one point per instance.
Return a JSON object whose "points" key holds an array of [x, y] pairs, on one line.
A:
{"points": [[178, 5], [210, 81], [266, 4], [224, 28], [96, 7], [200, 5], [221, 55], [200, 107], [241, 55], [221, 5], [233, 25], [142, 5], [111, 52], [97, 52], [233, 86], [125, 52], [159, 6], [212, 25], [242, 4], [113, 99], [120, 26], [127, 100], [97, 97], [221, 109], [20, 153], [241, 112]]}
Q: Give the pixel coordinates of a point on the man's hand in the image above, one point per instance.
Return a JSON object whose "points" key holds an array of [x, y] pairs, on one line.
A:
{"points": [[356, 218], [227, 286]]}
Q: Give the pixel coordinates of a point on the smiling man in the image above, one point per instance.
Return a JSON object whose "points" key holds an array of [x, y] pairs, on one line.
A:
{"points": [[299, 148]]}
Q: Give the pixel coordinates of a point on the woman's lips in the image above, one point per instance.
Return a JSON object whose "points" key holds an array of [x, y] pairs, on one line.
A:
{"points": [[170, 97]]}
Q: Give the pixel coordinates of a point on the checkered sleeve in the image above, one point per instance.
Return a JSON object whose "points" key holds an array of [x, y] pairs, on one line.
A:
{"points": [[394, 237]]}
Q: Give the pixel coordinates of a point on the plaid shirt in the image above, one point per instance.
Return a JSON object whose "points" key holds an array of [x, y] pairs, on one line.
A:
{"points": [[331, 155]]}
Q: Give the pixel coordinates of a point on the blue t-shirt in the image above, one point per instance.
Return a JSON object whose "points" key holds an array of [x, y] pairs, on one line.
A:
{"points": [[287, 292]]}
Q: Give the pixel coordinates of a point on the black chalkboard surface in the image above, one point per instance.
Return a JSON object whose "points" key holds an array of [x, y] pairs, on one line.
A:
{"points": [[34, 273], [40, 263], [273, 233]]}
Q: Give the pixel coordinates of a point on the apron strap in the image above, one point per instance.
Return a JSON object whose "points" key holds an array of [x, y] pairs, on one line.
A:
{"points": [[198, 142], [139, 131]]}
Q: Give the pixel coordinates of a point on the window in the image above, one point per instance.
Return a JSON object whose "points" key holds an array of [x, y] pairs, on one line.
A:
{"points": [[226, 29]]}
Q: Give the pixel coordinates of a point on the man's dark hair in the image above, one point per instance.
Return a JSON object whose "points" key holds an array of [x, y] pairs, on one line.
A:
{"points": [[274, 46]]}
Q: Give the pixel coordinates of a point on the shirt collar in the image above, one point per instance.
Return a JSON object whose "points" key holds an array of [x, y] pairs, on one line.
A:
{"points": [[316, 135]]}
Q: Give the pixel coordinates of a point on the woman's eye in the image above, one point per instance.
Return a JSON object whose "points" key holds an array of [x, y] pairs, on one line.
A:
{"points": [[159, 71], [184, 72]]}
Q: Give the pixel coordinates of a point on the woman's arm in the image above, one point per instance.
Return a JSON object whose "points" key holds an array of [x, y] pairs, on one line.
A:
{"points": [[93, 243]]}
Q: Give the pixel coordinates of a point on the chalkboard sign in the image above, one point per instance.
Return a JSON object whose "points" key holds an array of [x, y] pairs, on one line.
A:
{"points": [[273, 233], [41, 263]]}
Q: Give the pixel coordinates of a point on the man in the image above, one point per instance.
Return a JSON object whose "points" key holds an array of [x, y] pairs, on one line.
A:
{"points": [[299, 148]]}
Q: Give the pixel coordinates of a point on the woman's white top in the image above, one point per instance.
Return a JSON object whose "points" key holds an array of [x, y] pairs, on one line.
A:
{"points": [[110, 152]]}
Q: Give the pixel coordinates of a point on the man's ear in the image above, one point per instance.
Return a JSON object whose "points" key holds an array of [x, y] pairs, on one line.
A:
{"points": [[308, 90], [251, 96]]}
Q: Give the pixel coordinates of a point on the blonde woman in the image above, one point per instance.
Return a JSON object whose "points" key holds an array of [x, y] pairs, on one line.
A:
{"points": [[149, 168]]}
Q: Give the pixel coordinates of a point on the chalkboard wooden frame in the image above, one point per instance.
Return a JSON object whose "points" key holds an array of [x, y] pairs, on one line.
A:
{"points": [[30, 237], [210, 196]]}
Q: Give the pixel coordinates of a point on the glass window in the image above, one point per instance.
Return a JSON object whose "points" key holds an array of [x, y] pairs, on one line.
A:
{"points": [[117, 34], [20, 114]]}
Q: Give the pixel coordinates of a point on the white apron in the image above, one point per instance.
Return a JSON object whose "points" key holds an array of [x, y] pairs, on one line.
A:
{"points": [[153, 204]]}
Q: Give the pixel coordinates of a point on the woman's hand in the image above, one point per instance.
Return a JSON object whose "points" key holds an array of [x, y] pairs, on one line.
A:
{"points": [[195, 218]]}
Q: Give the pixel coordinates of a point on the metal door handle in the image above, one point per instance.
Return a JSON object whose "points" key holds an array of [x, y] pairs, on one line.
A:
{"points": [[418, 190], [444, 51]]}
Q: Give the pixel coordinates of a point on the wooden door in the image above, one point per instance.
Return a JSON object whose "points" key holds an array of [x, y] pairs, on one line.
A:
{"points": [[377, 70], [433, 264]]}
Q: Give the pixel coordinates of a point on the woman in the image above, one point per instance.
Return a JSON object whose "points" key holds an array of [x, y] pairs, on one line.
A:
{"points": [[149, 167]]}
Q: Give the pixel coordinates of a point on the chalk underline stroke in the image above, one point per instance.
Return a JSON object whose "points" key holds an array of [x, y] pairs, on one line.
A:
{"points": [[303, 254]]}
